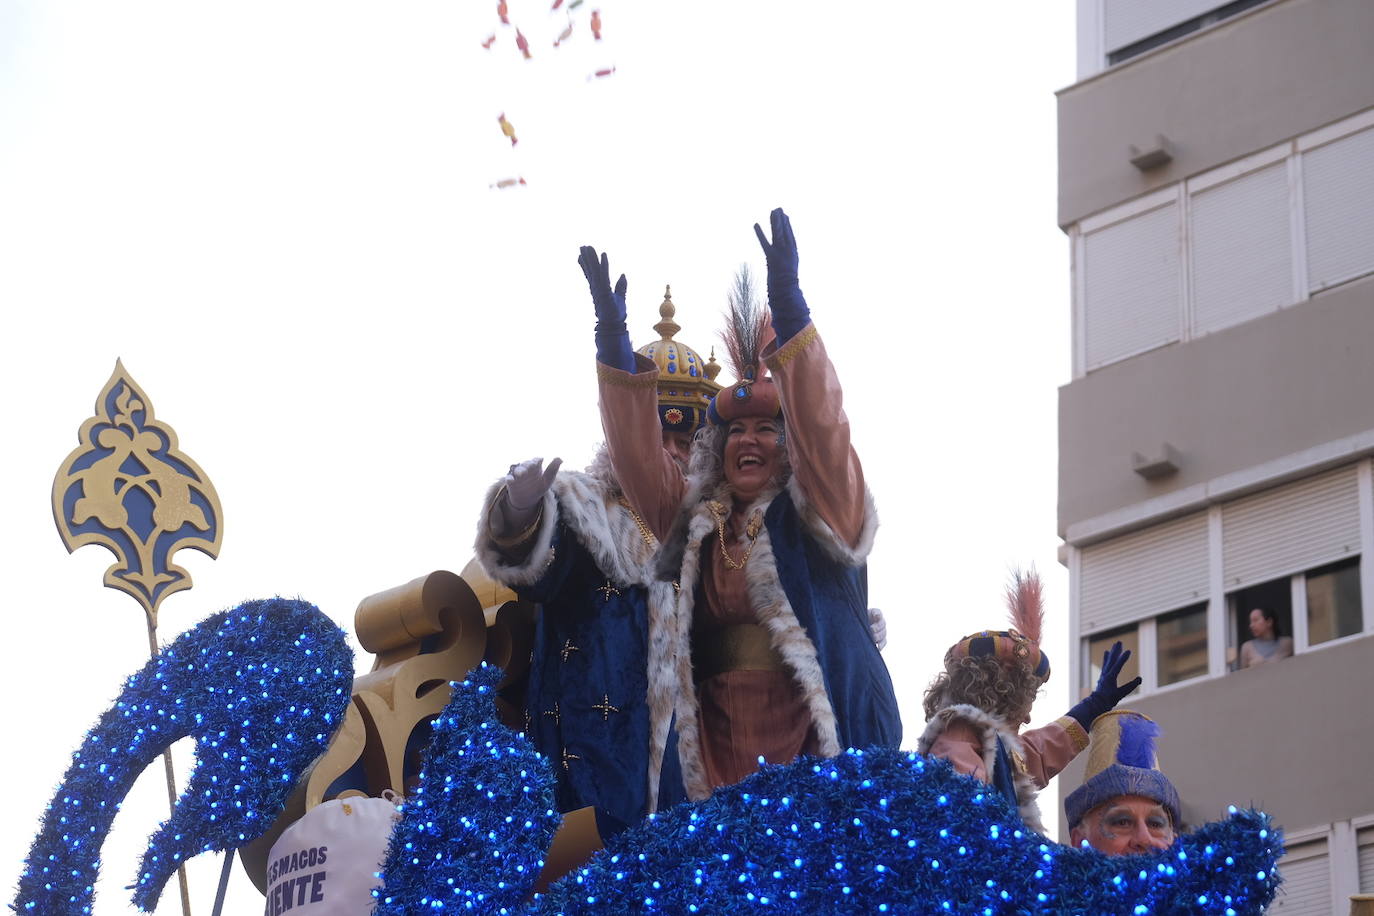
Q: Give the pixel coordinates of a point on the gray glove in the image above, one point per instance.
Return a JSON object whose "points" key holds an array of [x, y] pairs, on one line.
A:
{"points": [[518, 505], [877, 625]]}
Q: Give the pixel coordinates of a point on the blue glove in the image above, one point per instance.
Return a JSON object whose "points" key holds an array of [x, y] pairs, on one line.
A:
{"points": [[1107, 694], [612, 339], [790, 313]]}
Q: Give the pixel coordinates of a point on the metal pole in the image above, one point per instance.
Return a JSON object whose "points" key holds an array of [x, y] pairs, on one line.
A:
{"points": [[171, 781], [223, 881]]}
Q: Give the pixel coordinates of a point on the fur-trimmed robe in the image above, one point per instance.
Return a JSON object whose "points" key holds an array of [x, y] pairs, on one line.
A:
{"points": [[590, 567], [807, 586], [809, 589], [1017, 765]]}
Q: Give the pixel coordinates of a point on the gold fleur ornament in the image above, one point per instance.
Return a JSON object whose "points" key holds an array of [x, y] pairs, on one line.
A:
{"points": [[129, 488]]}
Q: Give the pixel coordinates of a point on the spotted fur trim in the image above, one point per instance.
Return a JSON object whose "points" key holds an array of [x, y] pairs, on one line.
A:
{"points": [[593, 513], [990, 728], [836, 547]]}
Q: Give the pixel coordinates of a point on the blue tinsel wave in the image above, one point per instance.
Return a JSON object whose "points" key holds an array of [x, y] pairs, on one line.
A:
{"points": [[261, 688]]}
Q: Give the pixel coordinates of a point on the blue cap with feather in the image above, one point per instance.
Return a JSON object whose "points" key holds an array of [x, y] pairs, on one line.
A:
{"points": [[1122, 761]]}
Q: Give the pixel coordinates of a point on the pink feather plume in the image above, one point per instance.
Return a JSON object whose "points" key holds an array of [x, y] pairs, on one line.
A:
{"points": [[1025, 604]]}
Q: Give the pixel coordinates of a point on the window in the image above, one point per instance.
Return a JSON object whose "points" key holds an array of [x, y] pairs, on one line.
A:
{"points": [[1131, 285], [1098, 646], [1306, 886], [1274, 597], [1181, 644], [1365, 844], [1227, 246], [1339, 208], [1127, 20], [1242, 254], [1333, 602]]}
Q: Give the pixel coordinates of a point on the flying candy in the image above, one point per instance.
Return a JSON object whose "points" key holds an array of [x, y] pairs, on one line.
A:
{"points": [[491, 39], [507, 128], [522, 43], [564, 35], [556, 5], [596, 24], [600, 73], [503, 11], [507, 183]]}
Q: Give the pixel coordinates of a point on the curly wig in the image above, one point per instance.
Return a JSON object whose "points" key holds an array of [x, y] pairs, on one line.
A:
{"points": [[1006, 690]]}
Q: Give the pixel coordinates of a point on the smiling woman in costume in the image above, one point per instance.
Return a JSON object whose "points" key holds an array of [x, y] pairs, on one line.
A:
{"points": [[768, 651]]}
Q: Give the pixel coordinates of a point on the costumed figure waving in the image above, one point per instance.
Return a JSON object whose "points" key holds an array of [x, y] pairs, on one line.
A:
{"points": [[975, 707], [768, 651], [571, 542]]}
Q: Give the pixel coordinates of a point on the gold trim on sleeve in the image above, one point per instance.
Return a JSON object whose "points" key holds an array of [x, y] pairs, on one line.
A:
{"points": [[622, 379], [793, 348], [1077, 734]]}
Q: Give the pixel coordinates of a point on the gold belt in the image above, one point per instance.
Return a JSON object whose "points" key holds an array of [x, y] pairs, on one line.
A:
{"points": [[738, 647]]}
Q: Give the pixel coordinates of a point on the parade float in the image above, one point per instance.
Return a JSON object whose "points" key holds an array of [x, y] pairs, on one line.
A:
{"points": [[282, 726]]}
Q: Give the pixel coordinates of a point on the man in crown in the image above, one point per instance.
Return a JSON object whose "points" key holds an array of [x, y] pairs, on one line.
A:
{"points": [[975, 707], [571, 542], [1126, 804]]}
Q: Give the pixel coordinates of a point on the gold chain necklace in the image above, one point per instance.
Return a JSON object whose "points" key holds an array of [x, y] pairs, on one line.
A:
{"points": [[644, 532], [751, 530]]}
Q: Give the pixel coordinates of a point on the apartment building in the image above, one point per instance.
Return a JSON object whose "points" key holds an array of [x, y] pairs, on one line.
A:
{"points": [[1216, 183]]}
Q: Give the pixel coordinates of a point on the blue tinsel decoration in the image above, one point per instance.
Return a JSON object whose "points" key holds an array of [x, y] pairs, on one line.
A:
{"points": [[473, 834], [880, 831], [888, 831], [261, 688]]}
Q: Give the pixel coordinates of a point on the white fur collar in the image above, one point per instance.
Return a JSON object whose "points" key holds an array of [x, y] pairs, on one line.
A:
{"points": [[593, 512]]}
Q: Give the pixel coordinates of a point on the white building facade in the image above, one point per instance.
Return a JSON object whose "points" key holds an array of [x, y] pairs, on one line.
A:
{"points": [[1217, 438]]}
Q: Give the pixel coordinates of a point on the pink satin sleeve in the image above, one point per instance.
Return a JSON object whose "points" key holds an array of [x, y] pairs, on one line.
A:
{"points": [[824, 461], [959, 744], [1049, 749], [648, 475]]}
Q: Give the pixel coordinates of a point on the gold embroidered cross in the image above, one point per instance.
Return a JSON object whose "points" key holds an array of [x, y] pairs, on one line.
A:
{"points": [[605, 707], [553, 712], [567, 757], [607, 589], [569, 649]]}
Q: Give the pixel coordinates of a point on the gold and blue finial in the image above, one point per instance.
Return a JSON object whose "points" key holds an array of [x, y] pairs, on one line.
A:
{"points": [[129, 488], [686, 382]]}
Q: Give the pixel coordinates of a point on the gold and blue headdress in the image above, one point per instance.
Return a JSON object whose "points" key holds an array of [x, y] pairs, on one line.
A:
{"points": [[1122, 761], [1021, 642], [686, 382]]}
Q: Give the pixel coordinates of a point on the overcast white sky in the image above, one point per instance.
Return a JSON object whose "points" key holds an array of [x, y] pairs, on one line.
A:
{"points": [[279, 216]]}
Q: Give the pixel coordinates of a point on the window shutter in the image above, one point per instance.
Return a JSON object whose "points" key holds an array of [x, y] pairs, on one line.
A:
{"points": [[1338, 199], [1143, 574], [1242, 249], [1365, 840], [1306, 888], [1131, 286], [1128, 21], [1291, 528]]}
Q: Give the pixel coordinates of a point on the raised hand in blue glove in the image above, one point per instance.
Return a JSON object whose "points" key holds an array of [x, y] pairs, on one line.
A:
{"points": [[790, 313], [612, 338], [1107, 693]]}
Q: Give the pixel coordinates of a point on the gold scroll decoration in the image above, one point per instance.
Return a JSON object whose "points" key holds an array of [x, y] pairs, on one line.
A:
{"points": [[424, 634], [129, 488]]}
